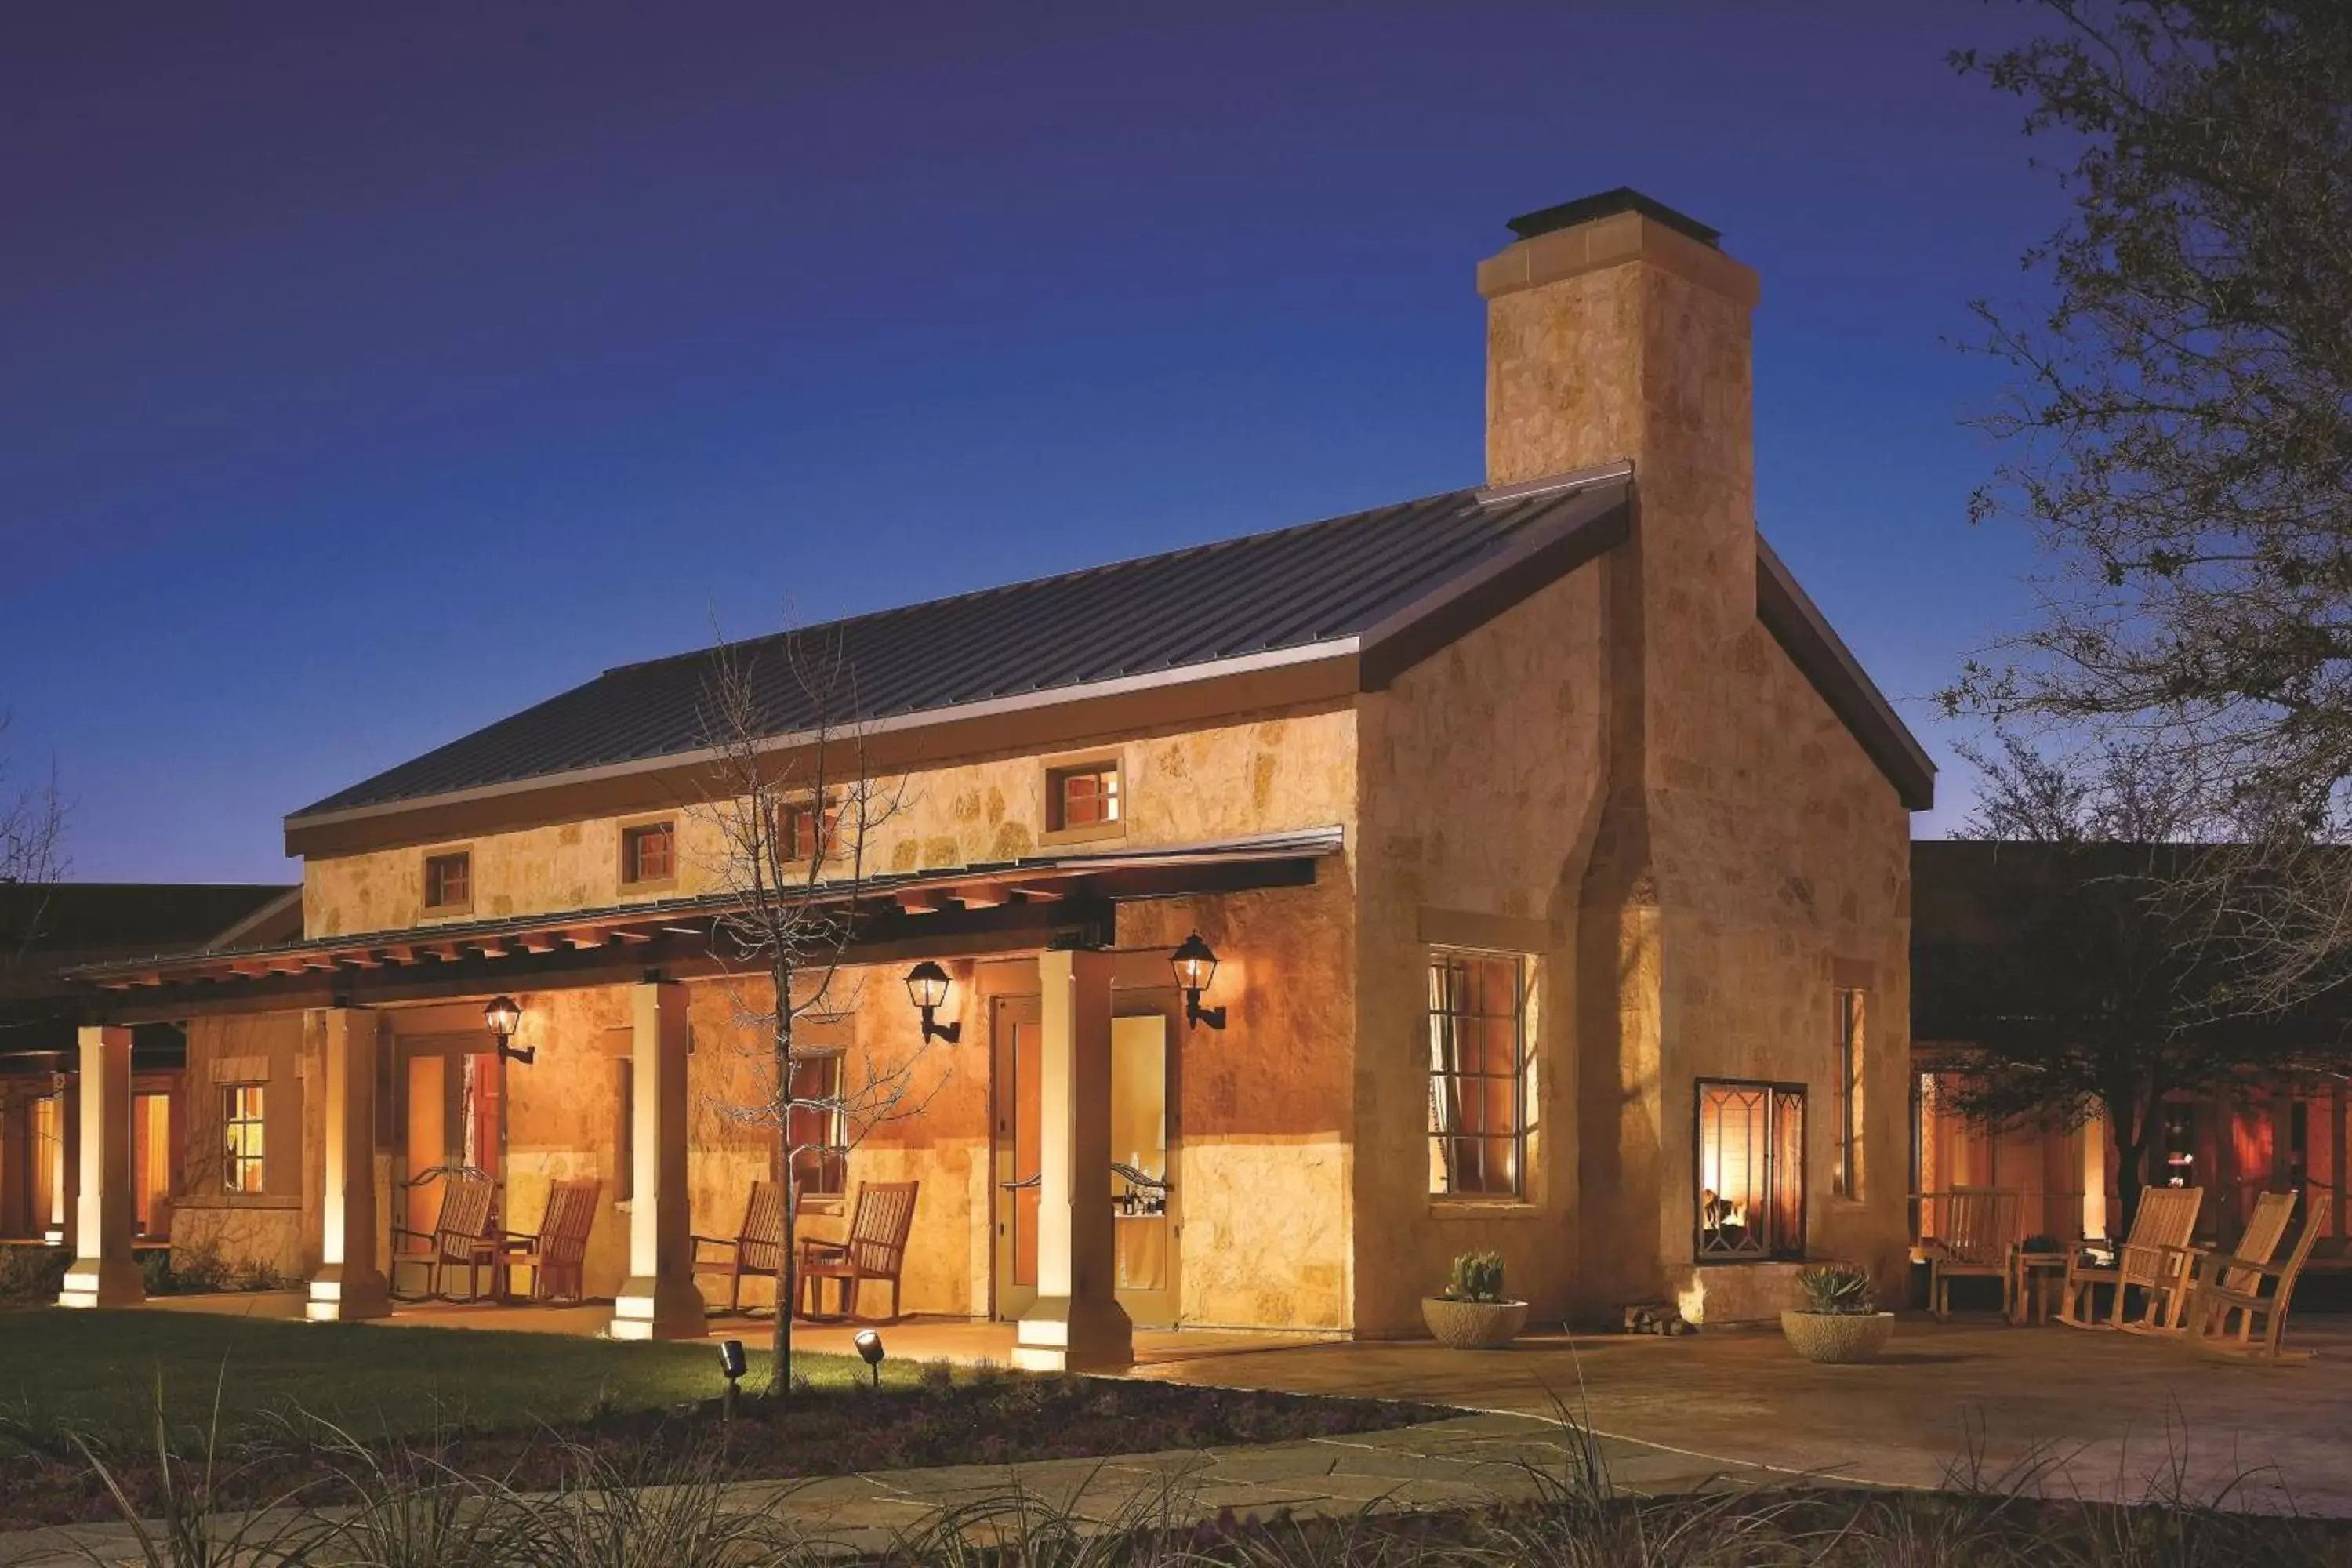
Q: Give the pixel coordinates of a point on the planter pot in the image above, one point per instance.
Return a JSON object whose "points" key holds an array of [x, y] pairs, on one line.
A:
{"points": [[1473, 1325], [1832, 1337]]}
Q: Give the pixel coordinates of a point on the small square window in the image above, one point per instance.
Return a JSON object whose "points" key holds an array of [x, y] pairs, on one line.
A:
{"points": [[806, 833], [1086, 796], [450, 880], [242, 1134], [649, 854]]}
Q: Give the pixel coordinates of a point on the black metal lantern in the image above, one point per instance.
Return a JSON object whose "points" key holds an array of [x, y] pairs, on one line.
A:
{"points": [[927, 987], [1195, 963], [503, 1017]]}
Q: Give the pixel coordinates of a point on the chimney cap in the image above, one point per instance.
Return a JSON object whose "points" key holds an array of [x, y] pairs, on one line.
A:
{"points": [[1623, 199]]}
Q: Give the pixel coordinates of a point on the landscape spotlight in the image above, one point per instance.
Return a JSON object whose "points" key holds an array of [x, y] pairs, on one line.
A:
{"points": [[869, 1345], [1195, 963], [504, 1016], [927, 987], [731, 1363]]}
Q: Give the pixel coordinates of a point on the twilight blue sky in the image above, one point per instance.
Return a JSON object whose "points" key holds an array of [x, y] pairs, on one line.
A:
{"points": [[369, 372]]}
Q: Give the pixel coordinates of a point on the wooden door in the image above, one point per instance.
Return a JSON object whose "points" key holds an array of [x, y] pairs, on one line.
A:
{"points": [[1015, 1027]]}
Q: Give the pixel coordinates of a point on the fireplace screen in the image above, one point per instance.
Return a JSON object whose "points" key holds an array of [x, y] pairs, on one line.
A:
{"points": [[1751, 1172]]}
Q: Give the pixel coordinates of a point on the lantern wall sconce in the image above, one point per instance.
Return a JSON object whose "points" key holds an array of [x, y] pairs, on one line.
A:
{"points": [[504, 1016], [1195, 963], [927, 987]]}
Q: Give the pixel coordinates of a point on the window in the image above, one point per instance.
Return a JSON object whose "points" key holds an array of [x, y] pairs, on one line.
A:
{"points": [[1477, 1075], [649, 854], [1085, 796], [242, 1134], [807, 834], [450, 880], [815, 1125], [1850, 1042], [1751, 1172]]}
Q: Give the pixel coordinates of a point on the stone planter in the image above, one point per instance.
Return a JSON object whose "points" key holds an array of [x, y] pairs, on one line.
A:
{"points": [[1472, 1325], [1833, 1337]]}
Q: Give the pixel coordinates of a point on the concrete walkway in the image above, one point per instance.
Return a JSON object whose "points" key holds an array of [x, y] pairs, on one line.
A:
{"points": [[2113, 1411], [1449, 1464]]}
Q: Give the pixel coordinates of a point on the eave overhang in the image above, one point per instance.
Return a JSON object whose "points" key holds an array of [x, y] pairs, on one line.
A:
{"points": [[994, 906]]}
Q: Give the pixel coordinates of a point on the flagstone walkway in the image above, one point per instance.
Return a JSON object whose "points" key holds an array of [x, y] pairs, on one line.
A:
{"points": [[1458, 1463]]}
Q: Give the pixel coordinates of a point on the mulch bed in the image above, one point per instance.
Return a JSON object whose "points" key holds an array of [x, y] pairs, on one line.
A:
{"points": [[45, 1479]]}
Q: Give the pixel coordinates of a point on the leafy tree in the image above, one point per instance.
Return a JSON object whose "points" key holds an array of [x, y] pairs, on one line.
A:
{"points": [[2180, 433]]}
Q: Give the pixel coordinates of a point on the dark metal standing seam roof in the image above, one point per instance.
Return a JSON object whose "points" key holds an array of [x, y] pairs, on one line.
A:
{"points": [[1268, 593]]}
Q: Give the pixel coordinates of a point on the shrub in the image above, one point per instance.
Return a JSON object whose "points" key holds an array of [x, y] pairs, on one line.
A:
{"points": [[1477, 1277], [1837, 1290], [195, 1271], [30, 1273]]}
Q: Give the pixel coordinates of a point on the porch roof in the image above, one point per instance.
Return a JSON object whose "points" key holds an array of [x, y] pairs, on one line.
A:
{"points": [[1034, 898]]}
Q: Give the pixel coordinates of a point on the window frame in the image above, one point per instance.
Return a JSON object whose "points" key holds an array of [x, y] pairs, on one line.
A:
{"points": [[824, 838], [1059, 771], [463, 906], [1782, 1250], [814, 1200], [1851, 1026], [633, 835], [1522, 1063], [240, 1155]]}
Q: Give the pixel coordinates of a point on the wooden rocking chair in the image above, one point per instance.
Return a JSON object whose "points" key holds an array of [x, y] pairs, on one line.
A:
{"points": [[757, 1247], [460, 1236], [1973, 1243], [2151, 1257], [2215, 1299], [555, 1253], [2256, 1245], [876, 1249]]}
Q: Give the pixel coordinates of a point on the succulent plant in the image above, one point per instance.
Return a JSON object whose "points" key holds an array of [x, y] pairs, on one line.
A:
{"points": [[1837, 1290], [1477, 1277]]}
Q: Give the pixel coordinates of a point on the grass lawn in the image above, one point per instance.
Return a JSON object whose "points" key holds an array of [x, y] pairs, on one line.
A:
{"points": [[532, 1409], [100, 1371]]}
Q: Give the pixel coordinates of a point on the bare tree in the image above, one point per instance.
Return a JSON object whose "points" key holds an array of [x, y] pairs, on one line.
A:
{"points": [[795, 824], [31, 842]]}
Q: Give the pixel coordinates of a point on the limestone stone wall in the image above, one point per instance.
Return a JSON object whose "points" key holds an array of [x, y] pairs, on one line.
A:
{"points": [[276, 1228], [1281, 771], [1481, 780]]}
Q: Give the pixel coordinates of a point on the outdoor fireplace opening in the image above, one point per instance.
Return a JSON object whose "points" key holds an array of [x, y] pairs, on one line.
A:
{"points": [[1750, 1171]]}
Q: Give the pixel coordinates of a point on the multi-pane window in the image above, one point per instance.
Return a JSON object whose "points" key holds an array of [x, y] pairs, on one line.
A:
{"points": [[1477, 1075], [450, 880], [1751, 1172], [1082, 796], [1847, 1176], [807, 832], [242, 1137], [815, 1125], [650, 853]]}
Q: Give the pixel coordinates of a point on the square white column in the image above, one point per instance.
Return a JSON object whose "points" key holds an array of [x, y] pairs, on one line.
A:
{"points": [[1076, 1323], [104, 1273], [348, 1285], [659, 1301]]}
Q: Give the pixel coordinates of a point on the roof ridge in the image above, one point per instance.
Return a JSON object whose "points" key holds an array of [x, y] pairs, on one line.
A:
{"points": [[1076, 574]]}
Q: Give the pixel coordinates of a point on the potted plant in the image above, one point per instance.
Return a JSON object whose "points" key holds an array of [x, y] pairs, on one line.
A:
{"points": [[1839, 1320], [1471, 1314]]}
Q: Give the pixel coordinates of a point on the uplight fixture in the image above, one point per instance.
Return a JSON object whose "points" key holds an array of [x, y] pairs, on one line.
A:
{"points": [[869, 1347]]}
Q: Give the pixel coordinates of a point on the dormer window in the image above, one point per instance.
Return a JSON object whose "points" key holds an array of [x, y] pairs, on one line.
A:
{"points": [[1084, 796], [649, 854], [449, 882]]}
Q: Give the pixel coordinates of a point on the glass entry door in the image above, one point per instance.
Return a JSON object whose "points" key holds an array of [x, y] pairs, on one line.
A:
{"points": [[1144, 1218], [452, 1119], [1016, 1114]]}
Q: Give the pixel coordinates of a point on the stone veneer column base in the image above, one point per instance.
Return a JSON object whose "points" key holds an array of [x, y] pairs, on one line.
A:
{"points": [[1063, 1334], [335, 1298], [647, 1309], [102, 1282]]}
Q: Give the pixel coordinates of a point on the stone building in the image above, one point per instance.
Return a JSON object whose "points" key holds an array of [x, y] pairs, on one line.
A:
{"points": [[1553, 849]]}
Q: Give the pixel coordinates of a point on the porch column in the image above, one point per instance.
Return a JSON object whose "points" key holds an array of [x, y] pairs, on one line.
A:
{"points": [[103, 1274], [659, 1301], [348, 1285], [1076, 1323]]}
